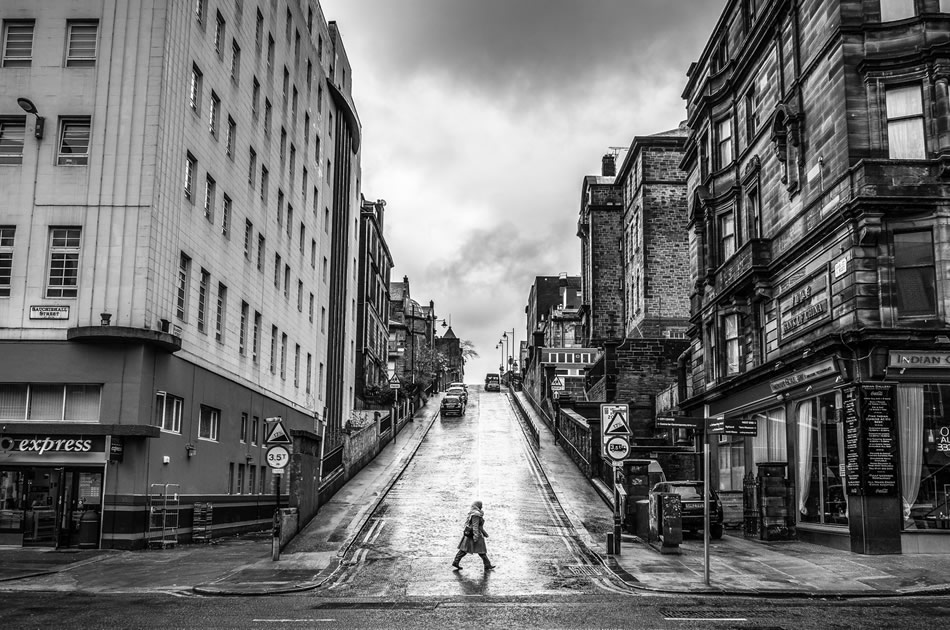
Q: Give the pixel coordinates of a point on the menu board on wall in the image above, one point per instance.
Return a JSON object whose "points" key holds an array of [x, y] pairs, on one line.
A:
{"points": [[869, 438], [852, 439]]}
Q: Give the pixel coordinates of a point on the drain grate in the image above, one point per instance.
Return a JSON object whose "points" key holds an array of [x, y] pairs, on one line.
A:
{"points": [[587, 570]]}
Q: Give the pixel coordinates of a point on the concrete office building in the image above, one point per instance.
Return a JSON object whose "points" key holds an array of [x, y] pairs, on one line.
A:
{"points": [[177, 244]]}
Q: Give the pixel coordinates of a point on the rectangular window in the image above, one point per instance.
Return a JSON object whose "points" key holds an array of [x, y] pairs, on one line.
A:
{"points": [[244, 426], [303, 237], [916, 273], [230, 477], [905, 123], [300, 296], [752, 113], [63, 263], [283, 144], [240, 479], [270, 53], [12, 133], [297, 365], [323, 319], [226, 217], [183, 289], [7, 235], [242, 333], [214, 113], [309, 371], [200, 11], [259, 31], [17, 43], [264, 181], [731, 341], [235, 61], [727, 236], [277, 265], [248, 232], [209, 421], [293, 164], [724, 140], [296, 45], [293, 106], [320, 382], [261, 242], [313, 253], [326, 268], [283, 356], [255, 430], [311, 308], [280, 207], [74, 141], [945, 6], [168, 412], [255, 98], [273, 349], [770, 441], [892, 10], [256, 339], [194, 90], [285, 87], [251, 167], [290, 221], [81, 39], [286, 282], [190, 165], [219, 35], [220, 318], [251, 479], [821, 460], [210, 189], [229, 139], [203, 281]]}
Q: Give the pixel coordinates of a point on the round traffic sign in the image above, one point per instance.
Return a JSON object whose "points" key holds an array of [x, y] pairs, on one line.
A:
{"points": [[617, 448], [277, 456]]}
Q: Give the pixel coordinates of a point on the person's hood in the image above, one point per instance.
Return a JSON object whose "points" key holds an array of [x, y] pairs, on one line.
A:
{"points": [[474, 511]]}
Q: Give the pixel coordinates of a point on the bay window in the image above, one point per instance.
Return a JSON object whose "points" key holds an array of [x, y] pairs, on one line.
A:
{"points": [[905, 123]]}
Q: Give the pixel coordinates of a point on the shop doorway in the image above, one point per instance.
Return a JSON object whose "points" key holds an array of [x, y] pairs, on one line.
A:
{"points": [[43, 506]]}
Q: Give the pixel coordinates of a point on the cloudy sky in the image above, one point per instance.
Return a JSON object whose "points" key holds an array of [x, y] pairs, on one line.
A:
{"points": [[481, 119]]}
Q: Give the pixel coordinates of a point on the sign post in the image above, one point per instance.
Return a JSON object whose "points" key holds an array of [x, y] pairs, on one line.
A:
{"points": [[615, 445], [709, 426], [277, 457], [394, 385]]}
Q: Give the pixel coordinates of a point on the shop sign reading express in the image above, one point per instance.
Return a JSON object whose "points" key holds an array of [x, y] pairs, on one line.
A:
{"points": [[41, 445], [870, 445]]}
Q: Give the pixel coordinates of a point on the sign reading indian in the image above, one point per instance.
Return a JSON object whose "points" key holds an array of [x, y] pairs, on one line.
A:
{"points": [[917, 359], [46, 444]]}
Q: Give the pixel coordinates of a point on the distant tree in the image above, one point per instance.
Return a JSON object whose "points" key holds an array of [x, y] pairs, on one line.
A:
{"points": [[468, 349]]}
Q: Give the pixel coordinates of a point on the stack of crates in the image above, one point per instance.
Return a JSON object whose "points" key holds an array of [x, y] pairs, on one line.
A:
{"points": [[201, 522]]}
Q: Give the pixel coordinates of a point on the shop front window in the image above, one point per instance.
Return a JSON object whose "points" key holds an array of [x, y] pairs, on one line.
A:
{"points": [[924, 432], [770, 443], [821, 461], [731, 463]]}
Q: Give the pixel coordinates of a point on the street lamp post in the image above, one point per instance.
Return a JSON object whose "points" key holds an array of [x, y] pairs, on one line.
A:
{"points": [[511, 357]]}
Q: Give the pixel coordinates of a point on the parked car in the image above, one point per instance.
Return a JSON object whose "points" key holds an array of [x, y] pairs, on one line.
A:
{"points": [[458, 391], [452, 406], [690, 493], [492, 383], [462, 385]]}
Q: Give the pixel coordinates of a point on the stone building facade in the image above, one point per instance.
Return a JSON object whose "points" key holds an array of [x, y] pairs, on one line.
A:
{"points": [[372, 314], [819, 136]]}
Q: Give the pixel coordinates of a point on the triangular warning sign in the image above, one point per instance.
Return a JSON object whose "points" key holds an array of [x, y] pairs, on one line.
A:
{"points": [[393, 379], [617, 425], [278, 435]]}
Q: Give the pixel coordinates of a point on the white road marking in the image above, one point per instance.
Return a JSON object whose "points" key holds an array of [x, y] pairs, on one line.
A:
{"points": [[705, 619], [287, 620]]}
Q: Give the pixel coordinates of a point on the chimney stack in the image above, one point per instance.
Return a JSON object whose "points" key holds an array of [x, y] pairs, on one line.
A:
{"points": [[609, 165]]}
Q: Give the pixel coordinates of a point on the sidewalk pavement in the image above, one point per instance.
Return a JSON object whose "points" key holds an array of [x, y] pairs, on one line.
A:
{"points": [[738, 566]]}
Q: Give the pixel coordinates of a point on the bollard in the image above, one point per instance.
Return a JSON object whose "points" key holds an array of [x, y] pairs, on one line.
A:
{"points": [[610, 544]]}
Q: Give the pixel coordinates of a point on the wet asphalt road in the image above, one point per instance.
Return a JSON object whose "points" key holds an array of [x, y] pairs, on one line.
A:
{"points": [[408, 544]]}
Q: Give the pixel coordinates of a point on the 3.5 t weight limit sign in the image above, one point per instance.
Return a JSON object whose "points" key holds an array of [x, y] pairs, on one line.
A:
{"points": [[277, 457], [617, 448]]}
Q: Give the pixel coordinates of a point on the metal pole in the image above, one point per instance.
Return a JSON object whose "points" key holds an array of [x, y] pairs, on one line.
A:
{"points": [[275, 541], [706, 506], [617, 527]]}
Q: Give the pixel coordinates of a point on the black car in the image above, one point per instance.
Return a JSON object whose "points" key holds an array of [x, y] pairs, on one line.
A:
{"points": [[458, 391], [452, 406], [690, 493]]}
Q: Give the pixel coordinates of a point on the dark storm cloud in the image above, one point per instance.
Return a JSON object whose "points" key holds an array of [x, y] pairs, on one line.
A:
{"points": [[530, 45]]}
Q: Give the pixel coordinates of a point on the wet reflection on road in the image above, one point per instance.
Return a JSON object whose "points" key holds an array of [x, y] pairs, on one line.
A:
{"points": [[407, 547]]}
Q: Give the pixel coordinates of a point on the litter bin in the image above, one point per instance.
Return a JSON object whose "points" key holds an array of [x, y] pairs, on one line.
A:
{"points": [[89, 530]]}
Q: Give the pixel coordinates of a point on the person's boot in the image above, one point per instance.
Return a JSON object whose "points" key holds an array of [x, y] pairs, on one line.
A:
{"points": [[488, 565], [458, 558]]}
